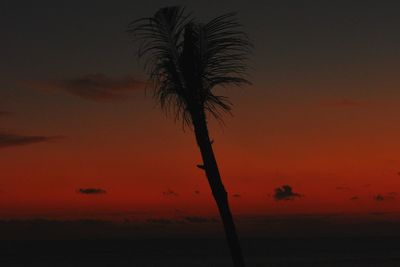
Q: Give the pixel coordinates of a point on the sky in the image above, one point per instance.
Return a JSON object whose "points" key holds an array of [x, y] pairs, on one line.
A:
{"points": [[80, 137]]}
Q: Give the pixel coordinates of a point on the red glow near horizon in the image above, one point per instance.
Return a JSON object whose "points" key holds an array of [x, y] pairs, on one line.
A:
{"points": [[327, 154]]}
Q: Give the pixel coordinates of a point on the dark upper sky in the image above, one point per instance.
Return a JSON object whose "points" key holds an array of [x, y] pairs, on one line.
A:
{"points": [[46, 38], [308, 41]]}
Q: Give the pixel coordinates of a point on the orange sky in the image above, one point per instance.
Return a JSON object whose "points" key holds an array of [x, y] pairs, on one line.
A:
{"points": [[321, 116], [328, 152]]}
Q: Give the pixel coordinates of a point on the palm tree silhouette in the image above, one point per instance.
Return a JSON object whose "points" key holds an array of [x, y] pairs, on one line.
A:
{"points": [[185, 61]]}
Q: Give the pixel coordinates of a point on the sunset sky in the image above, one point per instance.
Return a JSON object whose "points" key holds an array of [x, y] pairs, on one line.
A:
{"points": [[322, 115]]}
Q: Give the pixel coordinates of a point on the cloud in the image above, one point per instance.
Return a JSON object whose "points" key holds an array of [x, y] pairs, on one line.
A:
{"points": [[91, 191], [198, 219], [95, 87], [285, 192], [388, 196], [8, 139], [170, 193]]}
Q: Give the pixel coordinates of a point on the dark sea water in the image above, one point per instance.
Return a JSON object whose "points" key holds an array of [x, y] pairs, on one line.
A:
{"points": [[360, 251]]}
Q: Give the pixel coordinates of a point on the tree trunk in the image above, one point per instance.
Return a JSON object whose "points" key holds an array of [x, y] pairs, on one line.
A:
{"points": [[217, 187]]}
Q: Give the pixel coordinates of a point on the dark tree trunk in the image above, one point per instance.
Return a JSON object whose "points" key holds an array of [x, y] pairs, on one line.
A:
{"points": [[217, 187]]}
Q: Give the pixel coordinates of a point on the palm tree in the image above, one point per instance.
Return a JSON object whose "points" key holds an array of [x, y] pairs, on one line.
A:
{"points": [[186, 61]]}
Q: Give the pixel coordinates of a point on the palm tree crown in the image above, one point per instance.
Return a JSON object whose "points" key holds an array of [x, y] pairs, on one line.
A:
{"points": [[186, 60]]}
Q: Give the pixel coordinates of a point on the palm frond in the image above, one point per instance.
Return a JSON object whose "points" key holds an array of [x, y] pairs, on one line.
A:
{"points": [[159, 39], [223, 51], [186, 60], [227, 51]]}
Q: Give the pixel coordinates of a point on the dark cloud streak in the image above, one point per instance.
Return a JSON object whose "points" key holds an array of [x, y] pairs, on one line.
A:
{"points": [[170, 193], [9, 140], [91, 191], [388, 196], [95, 87]]}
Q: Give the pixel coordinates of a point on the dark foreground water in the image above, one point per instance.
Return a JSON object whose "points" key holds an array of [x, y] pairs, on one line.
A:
{"points": [[366, 251]]}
